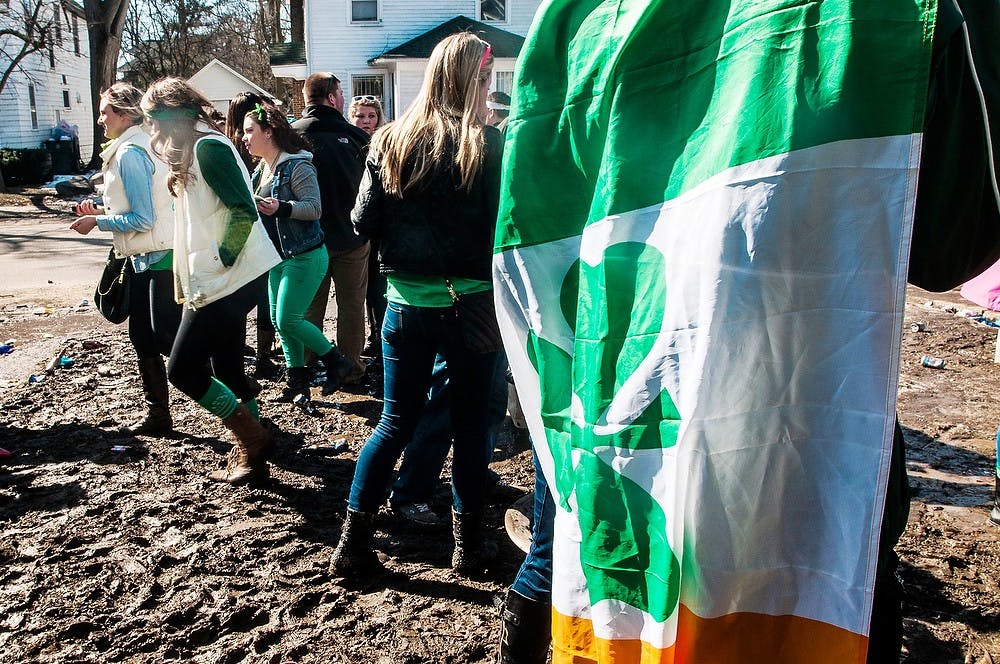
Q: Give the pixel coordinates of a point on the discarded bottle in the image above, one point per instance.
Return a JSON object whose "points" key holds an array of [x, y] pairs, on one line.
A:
{"points": [[6, 348], [120, 448], [305, 403], [66, 362], [326, 449], [932, 362], [36, 379], [918, 327]]}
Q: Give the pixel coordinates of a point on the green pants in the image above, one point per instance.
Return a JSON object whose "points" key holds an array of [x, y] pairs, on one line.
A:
{"points": [[292, 283]]}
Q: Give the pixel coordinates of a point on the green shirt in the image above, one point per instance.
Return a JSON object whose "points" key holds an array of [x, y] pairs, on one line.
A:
{"points": [[421, 290]]}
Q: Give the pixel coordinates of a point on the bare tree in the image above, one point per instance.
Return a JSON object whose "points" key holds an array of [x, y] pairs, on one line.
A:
{"points": [[179, 37], [105, 21], [24, 29]]}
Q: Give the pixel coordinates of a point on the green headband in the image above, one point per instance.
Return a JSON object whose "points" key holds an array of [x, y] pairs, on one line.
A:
{"points": [[176, 113]]}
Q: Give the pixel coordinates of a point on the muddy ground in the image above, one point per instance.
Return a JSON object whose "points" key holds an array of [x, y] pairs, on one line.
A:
{"points": [[135, 556]]}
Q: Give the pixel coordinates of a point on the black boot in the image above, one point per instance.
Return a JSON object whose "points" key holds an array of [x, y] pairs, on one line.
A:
{"points": [[525, 630], [355, 555], [264, 367], [337, 367], [157, 422], [473, 551], [297, 383]]}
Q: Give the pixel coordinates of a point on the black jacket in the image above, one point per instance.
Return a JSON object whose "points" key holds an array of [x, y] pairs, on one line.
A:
{"points": [[436, 229], [339, 150]]}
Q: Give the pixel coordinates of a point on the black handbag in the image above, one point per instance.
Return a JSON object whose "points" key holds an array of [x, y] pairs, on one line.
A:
{"points": [[112, 294], [477, 319]]}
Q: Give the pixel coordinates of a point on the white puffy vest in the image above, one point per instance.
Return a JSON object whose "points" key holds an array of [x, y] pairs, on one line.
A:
{"points": [[116, 201], [200, 224]]}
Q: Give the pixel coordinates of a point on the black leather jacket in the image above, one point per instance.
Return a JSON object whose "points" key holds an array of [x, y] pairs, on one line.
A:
{"points": [[437, 229], [339, 150]]}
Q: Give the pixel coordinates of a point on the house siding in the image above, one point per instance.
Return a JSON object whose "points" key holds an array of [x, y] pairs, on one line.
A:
{"points": [[335, 44], [15, 114]]}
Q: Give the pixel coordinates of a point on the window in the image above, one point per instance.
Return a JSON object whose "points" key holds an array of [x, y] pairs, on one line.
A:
{"points": [[367, 85], [52, 56], [76, 35], [65, 98], [32, 107], [493, 10], [57, 21], [364, 11], [503, 81]]}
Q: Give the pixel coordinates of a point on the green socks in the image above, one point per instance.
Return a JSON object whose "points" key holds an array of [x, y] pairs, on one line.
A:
{"points": [[219, 400]]}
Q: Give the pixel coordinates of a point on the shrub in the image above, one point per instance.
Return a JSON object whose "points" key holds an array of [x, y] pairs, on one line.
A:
{"points": [[23, 166]]}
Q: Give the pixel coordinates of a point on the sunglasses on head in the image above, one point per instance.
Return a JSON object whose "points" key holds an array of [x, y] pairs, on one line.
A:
{"points": [[365, 98]]}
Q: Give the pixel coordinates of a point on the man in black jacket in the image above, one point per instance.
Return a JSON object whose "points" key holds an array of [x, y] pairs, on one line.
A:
{"points": [[339, 156]]}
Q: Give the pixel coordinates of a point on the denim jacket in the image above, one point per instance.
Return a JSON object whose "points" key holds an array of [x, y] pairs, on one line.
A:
{"points": [[295, 228]]}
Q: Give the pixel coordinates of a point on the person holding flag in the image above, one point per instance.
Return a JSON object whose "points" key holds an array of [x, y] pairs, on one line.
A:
{"points": [[703, 310]]}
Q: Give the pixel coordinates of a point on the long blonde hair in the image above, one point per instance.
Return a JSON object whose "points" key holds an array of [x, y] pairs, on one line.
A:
{"points": [[177, 109], [443, 118]]}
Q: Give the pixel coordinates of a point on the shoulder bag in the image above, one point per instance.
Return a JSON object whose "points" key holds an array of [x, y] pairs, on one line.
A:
{"points": [[112, 294]]}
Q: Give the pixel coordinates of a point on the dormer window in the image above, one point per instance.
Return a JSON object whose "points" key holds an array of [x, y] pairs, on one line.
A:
{"points": [[493, 10], [364, 11]]}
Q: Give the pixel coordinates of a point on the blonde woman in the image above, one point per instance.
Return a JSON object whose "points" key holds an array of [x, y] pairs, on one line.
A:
{"points": [[222, 254], [137, 211], [365, 113], [429, 201]]}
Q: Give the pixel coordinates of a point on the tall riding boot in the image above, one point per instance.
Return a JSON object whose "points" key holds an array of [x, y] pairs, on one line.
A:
{"points": [[525, 630], [473, 551], [297, 382], [247, 461], [157, 422], [264, 367], [355, 556], [337, 367]]}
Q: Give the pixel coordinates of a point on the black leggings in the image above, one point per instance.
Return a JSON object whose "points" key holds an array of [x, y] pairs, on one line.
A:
{"points": [[153, 313], [210, 343]]}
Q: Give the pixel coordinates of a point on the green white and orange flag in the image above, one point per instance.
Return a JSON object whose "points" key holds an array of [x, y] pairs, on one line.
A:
{"points": [[700, 265]]}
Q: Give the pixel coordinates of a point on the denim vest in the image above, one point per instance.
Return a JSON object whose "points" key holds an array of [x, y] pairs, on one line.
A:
{"points": [[291, 237]]}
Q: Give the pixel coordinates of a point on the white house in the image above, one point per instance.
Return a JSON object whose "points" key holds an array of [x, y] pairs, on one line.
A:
{"points": [[380, 47], [220, 83], [50, 86]]}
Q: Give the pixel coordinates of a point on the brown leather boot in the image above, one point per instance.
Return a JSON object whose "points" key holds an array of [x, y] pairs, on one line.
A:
{"points": [[247, 461], [157, 422]]}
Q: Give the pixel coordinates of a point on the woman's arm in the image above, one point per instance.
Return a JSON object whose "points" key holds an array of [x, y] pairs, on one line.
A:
{"points": [[367, 213], [136, 169], [221, 172], [305, 188]]}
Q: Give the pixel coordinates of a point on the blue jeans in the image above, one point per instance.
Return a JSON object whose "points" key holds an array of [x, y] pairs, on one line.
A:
{"points": [[411, 338], [425, 454], [534, 579]]}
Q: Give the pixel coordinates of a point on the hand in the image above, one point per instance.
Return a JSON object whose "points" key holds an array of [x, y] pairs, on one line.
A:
{"points": [[268, 205], [86, 206], [84, 225]]}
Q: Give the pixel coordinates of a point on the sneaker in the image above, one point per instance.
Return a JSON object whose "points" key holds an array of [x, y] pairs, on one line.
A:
{"points": [[420, 513]]}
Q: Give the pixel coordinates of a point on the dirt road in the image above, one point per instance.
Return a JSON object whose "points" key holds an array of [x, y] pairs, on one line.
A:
{"points": [[134, 556]]}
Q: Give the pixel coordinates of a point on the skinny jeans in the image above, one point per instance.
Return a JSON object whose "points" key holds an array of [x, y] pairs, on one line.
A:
{"points": [[411, 338], [292, 284]]}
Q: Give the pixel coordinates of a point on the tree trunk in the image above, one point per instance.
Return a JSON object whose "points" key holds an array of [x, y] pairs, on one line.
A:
{"points": [[296, 12], [105, 21]]}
